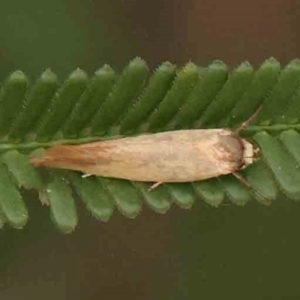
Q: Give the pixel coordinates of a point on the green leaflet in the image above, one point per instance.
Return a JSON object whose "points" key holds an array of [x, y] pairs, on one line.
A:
{"points": [[35, 103], [90, 101], [95, 197], [157, 87], [123, 93], [184, 82], [229, 95], [11, 98], [61, 105], [11, 204], [58, 195], [264, 80], [124, 195], [158, 199], [80, 109]]}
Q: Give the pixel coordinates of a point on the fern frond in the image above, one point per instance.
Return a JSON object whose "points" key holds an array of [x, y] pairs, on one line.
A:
{"points": [[36, 116]]}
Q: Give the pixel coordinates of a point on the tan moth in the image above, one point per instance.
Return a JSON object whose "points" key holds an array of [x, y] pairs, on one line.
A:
{"points": [[174, 156]]}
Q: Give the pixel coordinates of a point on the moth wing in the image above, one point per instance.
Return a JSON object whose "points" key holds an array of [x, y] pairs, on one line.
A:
{"points": [[178, 156]]}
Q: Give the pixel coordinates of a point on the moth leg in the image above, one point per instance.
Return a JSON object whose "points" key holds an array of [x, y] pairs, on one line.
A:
{"points": [[86, 175], [154, 186], [241, 179], [244, 125]]}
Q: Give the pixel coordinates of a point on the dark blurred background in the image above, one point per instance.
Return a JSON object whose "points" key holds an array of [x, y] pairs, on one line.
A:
{"points": [[205, 253]]}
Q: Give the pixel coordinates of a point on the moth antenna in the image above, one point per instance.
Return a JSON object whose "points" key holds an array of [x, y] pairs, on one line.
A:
{"points": [[246, 183], [245, 124], [36, 161]]}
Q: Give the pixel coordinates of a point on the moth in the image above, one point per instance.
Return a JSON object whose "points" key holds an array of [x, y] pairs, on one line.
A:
{"points": [[174, 156]]}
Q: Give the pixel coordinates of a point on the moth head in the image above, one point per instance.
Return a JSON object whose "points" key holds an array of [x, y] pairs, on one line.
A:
{"points": [[251, 153]]}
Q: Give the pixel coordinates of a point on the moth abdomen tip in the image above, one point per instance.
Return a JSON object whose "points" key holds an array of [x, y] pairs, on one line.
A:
{"points": [[51, 155], [38, 162]]}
